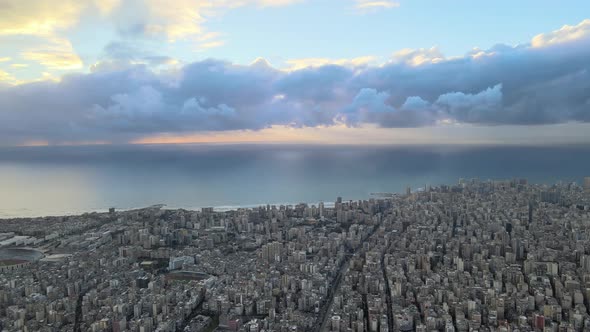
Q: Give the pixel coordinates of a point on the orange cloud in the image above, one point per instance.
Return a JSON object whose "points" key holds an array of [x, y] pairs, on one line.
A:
{"points": [[296, 64], [7, 78], [58, 53], [40, 17], [180, 19]]}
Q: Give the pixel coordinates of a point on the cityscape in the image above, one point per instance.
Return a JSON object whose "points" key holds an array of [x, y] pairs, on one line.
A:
{"points": [[472, 256], [294, 166]]}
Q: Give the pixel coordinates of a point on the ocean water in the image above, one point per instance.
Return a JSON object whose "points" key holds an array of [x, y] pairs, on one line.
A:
{"points": [[39, 181]]}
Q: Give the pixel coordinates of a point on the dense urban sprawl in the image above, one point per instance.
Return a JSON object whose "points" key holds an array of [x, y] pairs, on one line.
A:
{"points": [[475, 256]]}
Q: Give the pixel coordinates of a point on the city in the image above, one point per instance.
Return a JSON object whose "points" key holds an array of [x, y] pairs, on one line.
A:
{"points": [[473, 256], [294, 166]]}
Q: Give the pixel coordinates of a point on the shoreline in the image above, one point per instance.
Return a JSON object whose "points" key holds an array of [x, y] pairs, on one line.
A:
{"points": [[219, 208]]}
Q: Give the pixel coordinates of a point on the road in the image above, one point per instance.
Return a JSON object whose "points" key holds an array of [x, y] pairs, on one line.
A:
{"points": [[322, 319], [388, 290]]}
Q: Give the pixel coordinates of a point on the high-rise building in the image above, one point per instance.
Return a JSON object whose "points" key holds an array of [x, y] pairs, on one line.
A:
{"points": [[587, 183], [335, 323]]}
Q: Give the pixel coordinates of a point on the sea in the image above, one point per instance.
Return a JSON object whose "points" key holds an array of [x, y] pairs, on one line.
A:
{"points": [[67, 180]]}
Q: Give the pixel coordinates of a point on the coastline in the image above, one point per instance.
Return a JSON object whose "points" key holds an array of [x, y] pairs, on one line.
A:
{"points": [[220, 208]]}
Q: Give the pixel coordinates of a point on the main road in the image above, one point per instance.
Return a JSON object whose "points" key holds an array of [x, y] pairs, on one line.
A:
{"points": [[388, 290], [322, 319]]}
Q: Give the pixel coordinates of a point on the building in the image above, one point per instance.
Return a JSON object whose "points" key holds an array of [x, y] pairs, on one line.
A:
{"points": [[11, 265], [177, 262]]}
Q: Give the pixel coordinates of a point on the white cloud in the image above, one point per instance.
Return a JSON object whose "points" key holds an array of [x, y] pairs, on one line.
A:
{"points": [[210, 44], [296, 64], [42, 25], [277, 2], [565, 34], [372, 5], [417, 57], [472, 108], [517, 86], [179, 19], [478, 53]]}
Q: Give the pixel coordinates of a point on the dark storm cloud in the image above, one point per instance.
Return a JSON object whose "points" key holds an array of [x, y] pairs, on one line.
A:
{"points": [[120, 101]]}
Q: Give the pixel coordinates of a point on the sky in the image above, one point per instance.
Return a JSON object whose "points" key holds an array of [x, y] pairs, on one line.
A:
{"points": [[304, 71]]}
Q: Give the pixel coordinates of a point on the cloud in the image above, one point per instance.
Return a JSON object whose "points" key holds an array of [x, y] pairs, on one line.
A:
{"points": [[415, 103], [123, 100], [6, 78], [316, 86], [56, 53], [417, 57], [471, 108], [107, 6], [372, 5], [119, 55], [276, 2], [38, 25], [372, 107], [296, 64], [366, 107], [565, 34], [140, 110], [38, 28], [174, 20], [177, 20], [40, 17], [211, 44]]}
